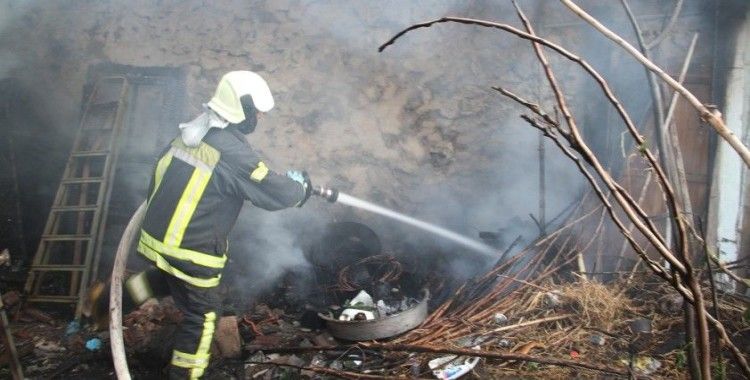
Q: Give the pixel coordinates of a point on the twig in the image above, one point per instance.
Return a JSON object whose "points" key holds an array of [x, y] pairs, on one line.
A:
{"points": [[652, 231], [667, 160], [529, 323], [712, 118], [329, 371], [507, 250], [620, 194], [667, 28], [714, 297], [492, 355]]}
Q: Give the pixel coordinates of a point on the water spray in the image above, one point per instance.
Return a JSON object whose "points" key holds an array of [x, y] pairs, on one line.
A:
{"points": [[334, 196]]}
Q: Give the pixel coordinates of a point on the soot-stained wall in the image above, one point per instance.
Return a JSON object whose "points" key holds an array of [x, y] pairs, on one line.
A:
{"points": [[416, 128]]}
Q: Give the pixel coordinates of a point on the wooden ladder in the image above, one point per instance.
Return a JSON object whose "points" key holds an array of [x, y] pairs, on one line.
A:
{"points": [[71, 242]]}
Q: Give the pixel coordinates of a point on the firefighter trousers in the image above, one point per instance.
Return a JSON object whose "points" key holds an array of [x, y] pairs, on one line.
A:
{"points": [[199, 307]]}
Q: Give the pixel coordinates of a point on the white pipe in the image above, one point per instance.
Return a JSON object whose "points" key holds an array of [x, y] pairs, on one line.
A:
{"points": [[115, 293]]}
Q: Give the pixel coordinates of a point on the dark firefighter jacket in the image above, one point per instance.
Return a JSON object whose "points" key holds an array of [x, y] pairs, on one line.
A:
{"points": [[195, 197]]}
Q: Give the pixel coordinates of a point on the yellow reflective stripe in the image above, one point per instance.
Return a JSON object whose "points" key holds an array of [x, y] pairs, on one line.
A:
{"points": [[185, 360], [260, 172], [203, 152], [139, 288], [161, 167], [194, 257], [208, 333], [198, 361], [204, 346], [163, 264], [186, 207]]}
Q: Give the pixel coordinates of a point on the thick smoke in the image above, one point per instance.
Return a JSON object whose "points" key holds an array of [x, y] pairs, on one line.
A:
{"points": [[416, 128]]}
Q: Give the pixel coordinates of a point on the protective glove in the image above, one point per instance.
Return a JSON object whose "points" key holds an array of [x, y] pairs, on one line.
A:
{"points": [[303, 179]]}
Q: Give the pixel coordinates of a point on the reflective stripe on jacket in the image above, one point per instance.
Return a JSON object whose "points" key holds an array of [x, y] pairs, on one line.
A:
{"points": [[194, 198]]}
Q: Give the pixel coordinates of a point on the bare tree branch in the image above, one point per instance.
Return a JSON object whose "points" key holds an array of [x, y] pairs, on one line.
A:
{"points": [[712, 118]]}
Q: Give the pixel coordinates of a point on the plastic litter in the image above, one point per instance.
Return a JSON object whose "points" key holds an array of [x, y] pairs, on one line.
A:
{"points": [[356, 315], [552, 299], [362, 299], [500, 318], [73, 328], [597, 340], [504, 343], [359, 308], [94, 344], [644, 365], [451, 366]]}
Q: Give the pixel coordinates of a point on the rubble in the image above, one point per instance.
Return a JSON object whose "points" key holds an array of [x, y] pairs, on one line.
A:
{"points": [[11, 298], [227, 338]]}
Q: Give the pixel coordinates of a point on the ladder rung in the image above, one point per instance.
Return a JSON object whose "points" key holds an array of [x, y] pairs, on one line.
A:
{"points": [[66, 299], [90, 153], [65, 237], [82, 180], [58, 268], [74, 208]]}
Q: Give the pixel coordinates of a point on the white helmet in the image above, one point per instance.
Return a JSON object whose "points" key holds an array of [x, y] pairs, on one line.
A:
{"points": [[235, 84]]}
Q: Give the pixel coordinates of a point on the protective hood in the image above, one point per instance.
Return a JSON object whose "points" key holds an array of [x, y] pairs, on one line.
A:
{"points": [[193, 131]]}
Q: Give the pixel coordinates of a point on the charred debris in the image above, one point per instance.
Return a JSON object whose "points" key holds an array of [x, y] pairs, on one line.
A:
{"points": [[607, 289]]}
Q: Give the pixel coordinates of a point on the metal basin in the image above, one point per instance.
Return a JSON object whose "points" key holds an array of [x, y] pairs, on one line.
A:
{"points": [[380, 328]]}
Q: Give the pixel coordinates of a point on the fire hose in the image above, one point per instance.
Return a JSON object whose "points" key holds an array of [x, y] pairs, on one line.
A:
{"points": [[115, 294]]}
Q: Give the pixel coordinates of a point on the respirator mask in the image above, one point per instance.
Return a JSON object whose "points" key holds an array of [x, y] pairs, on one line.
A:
{"points": [[248, 125]]}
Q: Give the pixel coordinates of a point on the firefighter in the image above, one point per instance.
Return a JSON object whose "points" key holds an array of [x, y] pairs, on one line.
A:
{"points": [[198, 187]]}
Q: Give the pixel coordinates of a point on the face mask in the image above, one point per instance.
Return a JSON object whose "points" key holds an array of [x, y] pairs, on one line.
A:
{"points": [[248, 125]]}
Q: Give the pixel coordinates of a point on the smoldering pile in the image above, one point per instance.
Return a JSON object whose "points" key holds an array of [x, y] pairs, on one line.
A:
{"points": [[536, 315]]}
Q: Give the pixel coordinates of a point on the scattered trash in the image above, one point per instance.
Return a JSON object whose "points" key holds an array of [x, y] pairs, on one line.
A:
{"points": [[94, 344], [640, 326], [504, 343], [356, 315], [552, 299], [73, 328], [644, 365], [526, 348], [414, 366], [360, 308], [574, 354], [377, 328], [11, 298], [323, 339], [597, 340], [336, 364], [452, 367], [48, 347], [500, 318]]}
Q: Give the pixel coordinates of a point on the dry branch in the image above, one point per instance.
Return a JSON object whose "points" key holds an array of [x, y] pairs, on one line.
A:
{"points": [[569, 141], [712, 118], [667, 28], [412, 348], [644, 224]]}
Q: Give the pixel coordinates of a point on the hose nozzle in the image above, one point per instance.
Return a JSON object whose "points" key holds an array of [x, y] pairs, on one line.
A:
{"points": [[329, 194]]}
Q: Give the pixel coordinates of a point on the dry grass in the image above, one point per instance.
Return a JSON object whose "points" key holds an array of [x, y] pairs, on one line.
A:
{"points": [[595, 304]]}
